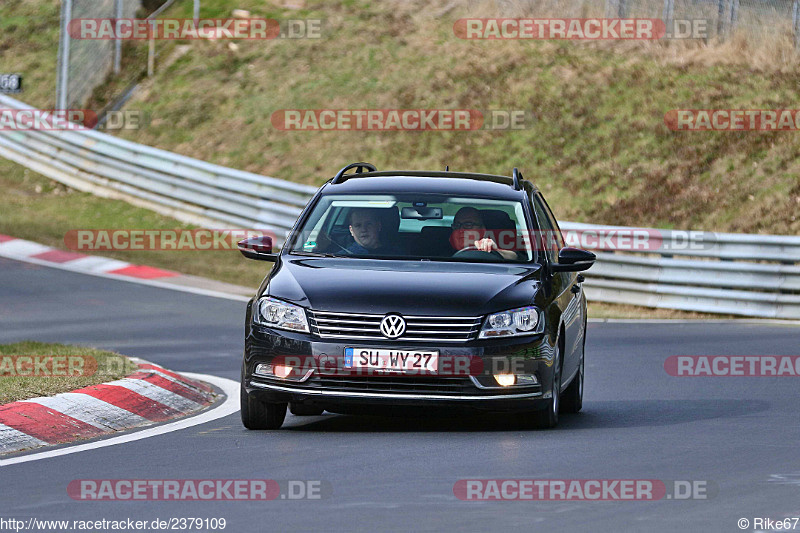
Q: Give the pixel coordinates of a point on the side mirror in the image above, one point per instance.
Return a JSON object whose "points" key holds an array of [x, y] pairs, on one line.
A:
{"points": [[258, 248], [573, 260]]}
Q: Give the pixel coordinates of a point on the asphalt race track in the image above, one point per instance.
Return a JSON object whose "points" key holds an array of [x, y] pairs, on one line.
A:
{"points": [[740, 435]]}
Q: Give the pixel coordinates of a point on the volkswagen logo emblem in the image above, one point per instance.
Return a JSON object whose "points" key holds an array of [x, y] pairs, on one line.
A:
{"points": [[392, 326]]}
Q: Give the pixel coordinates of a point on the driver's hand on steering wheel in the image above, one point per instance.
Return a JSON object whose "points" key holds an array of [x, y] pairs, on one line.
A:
{"points": [[488, 245], [485, 245]]}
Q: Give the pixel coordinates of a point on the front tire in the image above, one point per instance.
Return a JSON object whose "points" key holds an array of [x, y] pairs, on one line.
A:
{"points": [[548, 418], [572, 402], [257, 414]]}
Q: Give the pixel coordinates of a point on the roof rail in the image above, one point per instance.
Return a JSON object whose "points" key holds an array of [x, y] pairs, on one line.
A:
{"points": [[358, 166], [517, 178]]}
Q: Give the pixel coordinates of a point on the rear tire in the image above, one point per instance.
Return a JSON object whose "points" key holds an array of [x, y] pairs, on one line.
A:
{"points": [[299, 409], [257, 414]]}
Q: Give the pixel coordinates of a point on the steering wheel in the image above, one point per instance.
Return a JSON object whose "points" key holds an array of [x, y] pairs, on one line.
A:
{"points": [[469, 250], [328, 241]]}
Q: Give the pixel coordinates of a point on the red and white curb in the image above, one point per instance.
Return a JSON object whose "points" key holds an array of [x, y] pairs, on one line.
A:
{"points": [[14, 248], [104, 267], [152, 394]]}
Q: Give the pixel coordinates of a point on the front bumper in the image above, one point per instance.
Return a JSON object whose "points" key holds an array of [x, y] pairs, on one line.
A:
{"points": [[531, 355]]}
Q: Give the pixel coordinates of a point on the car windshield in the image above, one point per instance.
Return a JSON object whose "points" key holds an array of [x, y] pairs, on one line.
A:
{"points": [[415, 227]]}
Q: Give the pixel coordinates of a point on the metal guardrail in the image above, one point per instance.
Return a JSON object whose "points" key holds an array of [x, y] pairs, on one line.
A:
{"points": [[179, 186], [717, 273]]}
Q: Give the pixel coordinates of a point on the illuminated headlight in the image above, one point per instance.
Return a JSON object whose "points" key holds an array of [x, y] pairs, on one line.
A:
{"points": [[282, 315], [522, 321]]}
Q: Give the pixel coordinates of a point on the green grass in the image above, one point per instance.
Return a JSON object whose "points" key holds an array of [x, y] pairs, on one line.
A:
{"points": [[599, 147], [38, 209], [99, 366], [28, 46]]}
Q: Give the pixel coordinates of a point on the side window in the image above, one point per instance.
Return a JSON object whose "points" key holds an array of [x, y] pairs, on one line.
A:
{"points": [[553, 221], [546, 239]]}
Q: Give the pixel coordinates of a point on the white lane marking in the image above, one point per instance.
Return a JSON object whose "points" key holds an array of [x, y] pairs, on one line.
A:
{"points": [[228, 407], [117, 277], [12, 439], [159, 394], [740, 321], [92, 411], [20, 248], [95, 263]]}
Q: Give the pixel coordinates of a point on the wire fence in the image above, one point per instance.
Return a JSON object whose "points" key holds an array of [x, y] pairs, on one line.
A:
{"points": [[754, 19], [85, 64]]}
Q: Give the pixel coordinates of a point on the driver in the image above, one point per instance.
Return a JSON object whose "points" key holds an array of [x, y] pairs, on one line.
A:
{"points": [[469, 218], [365, 227]]}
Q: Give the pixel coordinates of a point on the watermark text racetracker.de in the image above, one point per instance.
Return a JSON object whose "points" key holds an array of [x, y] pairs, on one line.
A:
{"points": [[643, 29], [733, 119], [70, 120], [189, 29], [594, 238], [401, 119], [733, 365], [583, 489], [119, 524], [98, 240], [198, 489], [43, 366]]}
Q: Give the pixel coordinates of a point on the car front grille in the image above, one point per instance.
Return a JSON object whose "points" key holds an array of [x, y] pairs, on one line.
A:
{"points": [[330, 325], [402, 384]]}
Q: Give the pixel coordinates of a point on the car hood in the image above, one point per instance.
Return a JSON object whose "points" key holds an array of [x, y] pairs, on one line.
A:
{"points": [[406, 287]]}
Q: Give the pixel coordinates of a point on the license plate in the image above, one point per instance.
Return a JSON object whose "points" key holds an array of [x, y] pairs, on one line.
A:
{"points": [[383, 360]]}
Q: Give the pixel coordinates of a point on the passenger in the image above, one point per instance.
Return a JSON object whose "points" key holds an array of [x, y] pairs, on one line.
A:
{"points": [[469, 218], [365, 227]]}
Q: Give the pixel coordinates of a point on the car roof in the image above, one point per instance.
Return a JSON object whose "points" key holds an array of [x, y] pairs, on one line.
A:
{"points": [[437, 182]]}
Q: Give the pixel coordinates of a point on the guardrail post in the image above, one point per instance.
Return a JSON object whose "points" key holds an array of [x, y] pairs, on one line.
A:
{"points": [[151, 51], [117, 41], [616, 8], [62, 84], [669, 14], [796, 23], [734, 14], [723, 17]]}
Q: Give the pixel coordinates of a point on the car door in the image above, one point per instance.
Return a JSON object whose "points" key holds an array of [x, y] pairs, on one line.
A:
{"points": [[567, 291]]}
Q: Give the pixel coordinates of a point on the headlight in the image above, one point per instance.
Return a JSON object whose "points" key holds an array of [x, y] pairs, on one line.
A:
{"points": [[522, 321], [282, 315]]}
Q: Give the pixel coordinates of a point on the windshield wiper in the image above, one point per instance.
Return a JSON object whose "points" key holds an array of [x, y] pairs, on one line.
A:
{"points": [[313, 254]]}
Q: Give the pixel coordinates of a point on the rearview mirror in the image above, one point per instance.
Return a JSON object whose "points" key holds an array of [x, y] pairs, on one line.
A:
{"points": [[421, 213], [573, 260], [258, 248]]}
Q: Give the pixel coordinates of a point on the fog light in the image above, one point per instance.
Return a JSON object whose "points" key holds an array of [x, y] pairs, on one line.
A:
{"points": [[264, 369], [527, 379], [282, 371], [505, 380]]}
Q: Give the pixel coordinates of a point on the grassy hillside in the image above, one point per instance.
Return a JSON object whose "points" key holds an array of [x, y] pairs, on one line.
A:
{"points": [[29, 46], [599, 147]]}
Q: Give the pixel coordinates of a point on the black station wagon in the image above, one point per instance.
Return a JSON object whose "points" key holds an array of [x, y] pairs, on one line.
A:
{"points": [[409, 289]]}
